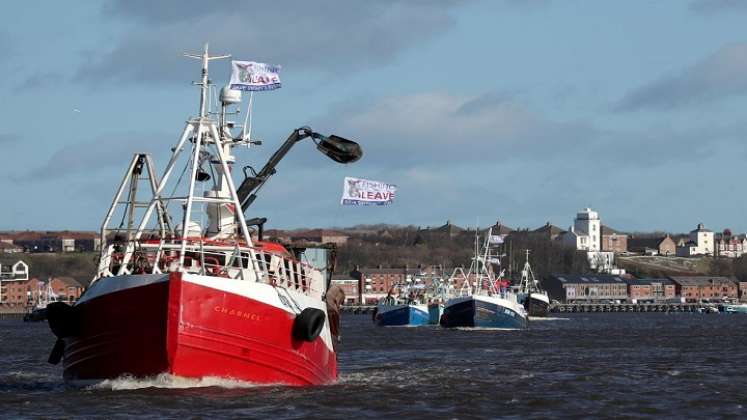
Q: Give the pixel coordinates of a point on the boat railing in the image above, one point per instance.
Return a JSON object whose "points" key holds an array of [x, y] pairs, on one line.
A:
{"points": [[211, 258]]}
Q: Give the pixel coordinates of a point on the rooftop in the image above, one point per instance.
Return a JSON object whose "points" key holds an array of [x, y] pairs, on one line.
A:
{"points": [[589, 278], [700, 280], [649, 281]]}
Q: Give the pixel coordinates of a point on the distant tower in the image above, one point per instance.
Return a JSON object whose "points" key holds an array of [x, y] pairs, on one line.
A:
{"points": [[587, 224]]}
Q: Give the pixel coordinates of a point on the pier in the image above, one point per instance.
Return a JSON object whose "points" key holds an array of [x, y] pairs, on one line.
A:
{"points": [[12, 312], [630, 307], [588, 307], [358, 309]]}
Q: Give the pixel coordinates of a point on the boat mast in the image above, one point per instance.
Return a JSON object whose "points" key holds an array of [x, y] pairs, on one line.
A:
{"points": [[202, 133], [204, 82]]}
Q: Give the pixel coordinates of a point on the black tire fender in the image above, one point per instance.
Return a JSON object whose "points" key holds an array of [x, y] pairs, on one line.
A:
{"points": [[308, 324]]}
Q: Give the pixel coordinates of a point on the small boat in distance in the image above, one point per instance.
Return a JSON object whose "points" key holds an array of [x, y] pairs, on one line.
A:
{"points": [[733, 308], [38, 312], [403, 306], [530, 294], [483, 301]]}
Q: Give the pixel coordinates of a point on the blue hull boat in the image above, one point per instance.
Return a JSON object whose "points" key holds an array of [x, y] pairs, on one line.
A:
{"points": [[401, 315], [483, 311], [435, 310]]}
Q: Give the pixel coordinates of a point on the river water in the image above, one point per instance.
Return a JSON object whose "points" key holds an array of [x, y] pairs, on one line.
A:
{"points": [[577, 365]]}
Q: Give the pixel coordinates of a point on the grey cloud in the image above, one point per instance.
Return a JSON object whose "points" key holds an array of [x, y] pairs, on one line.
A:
{"points": [[6, 46], [38, 80], [708, 7], [722, 74], [527, 4], [330, 37], [6, 138], [438, 127], [91, 156], [438, 130]]}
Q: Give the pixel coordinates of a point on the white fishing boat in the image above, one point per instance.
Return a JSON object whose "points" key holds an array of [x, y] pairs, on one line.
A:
{"points": [[483, 300], [530, 293]]}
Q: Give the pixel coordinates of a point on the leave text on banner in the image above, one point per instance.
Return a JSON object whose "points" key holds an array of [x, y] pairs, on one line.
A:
{"points": [[250, 75], [357, 191]]}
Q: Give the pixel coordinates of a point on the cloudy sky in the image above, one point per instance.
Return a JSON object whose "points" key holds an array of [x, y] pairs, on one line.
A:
{"points": [[518, 110]]}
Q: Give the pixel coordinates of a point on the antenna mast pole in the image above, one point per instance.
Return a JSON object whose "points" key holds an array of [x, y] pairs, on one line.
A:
{"points": [[204, 82]]}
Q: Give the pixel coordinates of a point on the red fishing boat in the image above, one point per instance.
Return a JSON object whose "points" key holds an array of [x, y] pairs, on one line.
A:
{"points": [[173, 296]]}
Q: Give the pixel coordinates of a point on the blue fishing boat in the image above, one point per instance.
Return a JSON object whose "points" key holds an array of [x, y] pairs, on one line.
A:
{"points": [[483, 301], [404, 305], [435, 310], [483, 311], [401, 314]]}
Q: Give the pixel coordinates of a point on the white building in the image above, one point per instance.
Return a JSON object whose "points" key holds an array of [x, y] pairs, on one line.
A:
{"points": [[701, 242], [586, 232], [18, 271]]}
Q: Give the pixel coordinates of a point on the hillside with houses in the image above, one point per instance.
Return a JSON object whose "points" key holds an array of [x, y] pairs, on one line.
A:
{"points": [[587, 247]]}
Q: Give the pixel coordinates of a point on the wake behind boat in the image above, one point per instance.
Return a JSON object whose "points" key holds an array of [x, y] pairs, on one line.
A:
{"points": [[483, 301], [202, 301]]}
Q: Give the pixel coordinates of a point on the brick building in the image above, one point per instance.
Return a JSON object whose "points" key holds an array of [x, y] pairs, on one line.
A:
{"points": [[21, 292], [665, 245], [651, 290], [705, 288], [67, 289], [614, 241], [591, 288], [379, 281]]}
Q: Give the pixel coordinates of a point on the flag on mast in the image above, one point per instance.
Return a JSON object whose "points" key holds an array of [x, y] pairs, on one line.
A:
{"points": [[357, 191], [496, 239], [253, 76]]}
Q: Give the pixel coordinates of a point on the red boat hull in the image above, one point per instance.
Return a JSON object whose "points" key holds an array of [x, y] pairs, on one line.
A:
{"points": [[192, 330]]}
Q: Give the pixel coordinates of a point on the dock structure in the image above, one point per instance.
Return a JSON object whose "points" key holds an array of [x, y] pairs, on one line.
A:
{"points": [[358, 309], [630, 307], [12, 312], [589, 307]]}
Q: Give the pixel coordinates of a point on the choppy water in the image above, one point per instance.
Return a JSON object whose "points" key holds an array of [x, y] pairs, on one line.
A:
{"points": [[580, 365]]}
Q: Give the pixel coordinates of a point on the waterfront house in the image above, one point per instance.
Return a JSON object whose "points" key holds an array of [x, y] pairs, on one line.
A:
{"points": [[650, 290], [705, 288], [20, 292], [17, 271], [67, 289], [586, 288]]}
